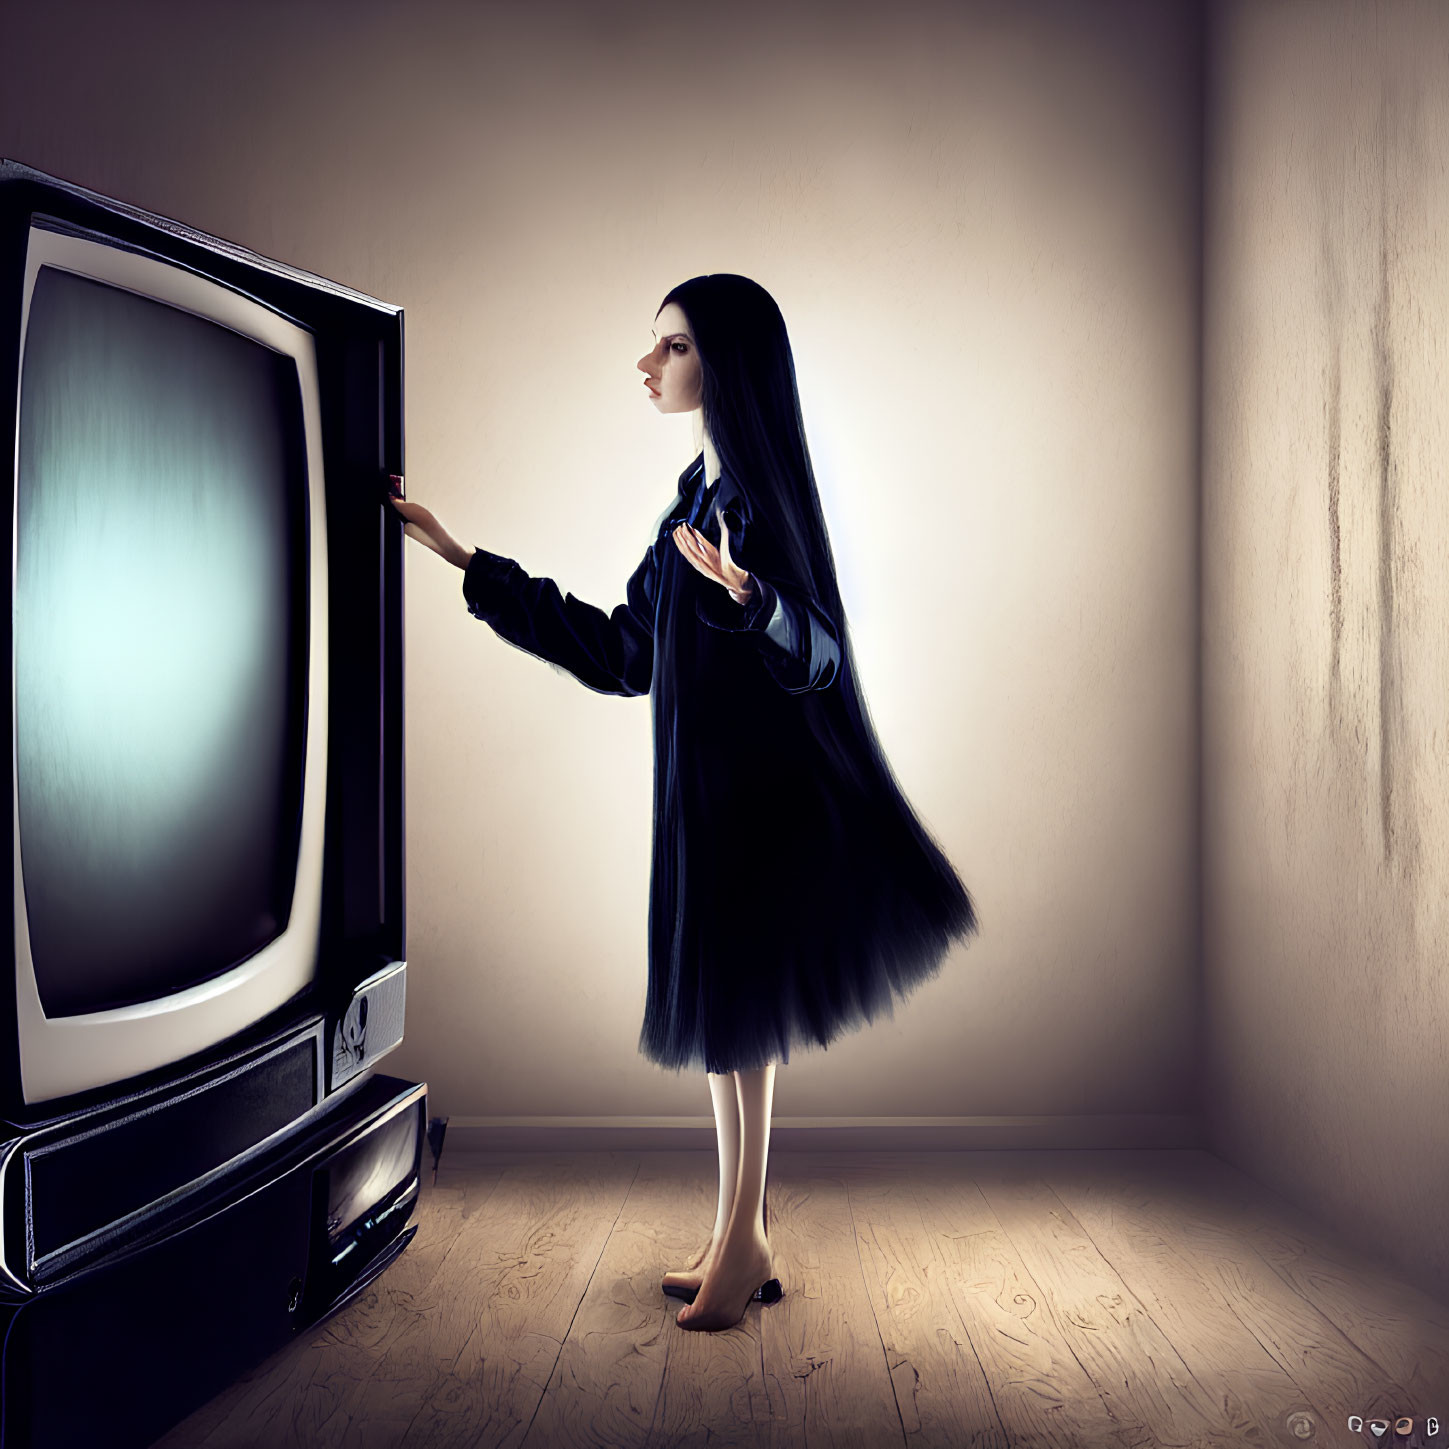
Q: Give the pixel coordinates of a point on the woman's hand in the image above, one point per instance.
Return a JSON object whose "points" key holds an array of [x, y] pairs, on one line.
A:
{"points": [[422, 526], [714, 563]]}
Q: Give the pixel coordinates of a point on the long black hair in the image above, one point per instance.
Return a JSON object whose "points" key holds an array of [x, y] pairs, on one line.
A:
{"points": [[751, 406]]}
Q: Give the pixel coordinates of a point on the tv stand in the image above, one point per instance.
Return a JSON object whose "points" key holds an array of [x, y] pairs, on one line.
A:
{"points": [[114, 1331]]}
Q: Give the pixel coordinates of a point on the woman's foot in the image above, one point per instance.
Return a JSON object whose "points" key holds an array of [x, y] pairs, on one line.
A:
{"points": [[692, 1276], [728, 1286]]}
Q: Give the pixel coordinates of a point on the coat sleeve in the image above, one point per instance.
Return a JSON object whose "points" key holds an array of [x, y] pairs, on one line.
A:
{"points": [[612, 653], [798, 643]]}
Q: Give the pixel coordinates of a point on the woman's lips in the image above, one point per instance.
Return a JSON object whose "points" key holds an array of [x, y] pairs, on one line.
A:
{"points": [[651, 387]]}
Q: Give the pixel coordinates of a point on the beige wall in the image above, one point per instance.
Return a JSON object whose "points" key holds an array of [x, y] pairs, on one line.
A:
{"points": [[980, 220], [1326, 668]]}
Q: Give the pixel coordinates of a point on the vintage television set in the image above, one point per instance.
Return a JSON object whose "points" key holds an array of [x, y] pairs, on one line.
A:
{"points": [[202, 948]]}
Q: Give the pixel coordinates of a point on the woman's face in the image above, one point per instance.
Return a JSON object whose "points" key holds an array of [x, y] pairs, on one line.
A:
{"points": [[671, 371]]}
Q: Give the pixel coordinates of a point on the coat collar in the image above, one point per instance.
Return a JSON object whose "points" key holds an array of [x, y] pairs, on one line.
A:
{"points": [[695, 501], [690, 474], [692, 485]]}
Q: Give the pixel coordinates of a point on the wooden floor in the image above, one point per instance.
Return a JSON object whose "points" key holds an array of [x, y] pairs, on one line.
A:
{"points": [[982, 1298]]}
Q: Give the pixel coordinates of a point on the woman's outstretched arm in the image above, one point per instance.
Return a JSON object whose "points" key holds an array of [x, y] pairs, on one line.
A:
{"points": [[612, 653]]}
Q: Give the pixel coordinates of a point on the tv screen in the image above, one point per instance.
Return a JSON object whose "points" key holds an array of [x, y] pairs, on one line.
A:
{"points": [[160, 644]]}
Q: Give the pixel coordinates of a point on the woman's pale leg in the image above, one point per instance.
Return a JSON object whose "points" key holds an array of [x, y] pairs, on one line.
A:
{"points": [[756, 1093], [741, 1260], [727, 1137], [723, 1093]]}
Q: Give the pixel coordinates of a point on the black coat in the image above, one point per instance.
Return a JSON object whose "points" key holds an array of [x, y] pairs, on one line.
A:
{"points": [[793, 891]]}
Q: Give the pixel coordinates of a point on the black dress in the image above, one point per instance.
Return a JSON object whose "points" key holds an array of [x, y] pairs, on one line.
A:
{"points": [[793, 891]]}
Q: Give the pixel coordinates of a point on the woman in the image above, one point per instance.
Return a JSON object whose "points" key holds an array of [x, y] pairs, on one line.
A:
{"points": [[793, 891]]}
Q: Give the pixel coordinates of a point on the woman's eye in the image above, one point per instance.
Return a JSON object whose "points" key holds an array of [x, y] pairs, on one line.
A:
{"points": [[681, 346]]}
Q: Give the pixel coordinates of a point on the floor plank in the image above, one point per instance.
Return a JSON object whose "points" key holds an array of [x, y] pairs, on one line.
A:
{"points": [[1042, 1389], [1270, 1364], [942, 1391], [824, 1365]]}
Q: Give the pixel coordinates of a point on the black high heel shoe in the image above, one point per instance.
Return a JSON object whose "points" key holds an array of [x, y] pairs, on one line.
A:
{"points": [[770, 1292]]}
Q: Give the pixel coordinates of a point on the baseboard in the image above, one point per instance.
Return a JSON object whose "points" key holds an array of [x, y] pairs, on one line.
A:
{"points": [[825, 1134]]}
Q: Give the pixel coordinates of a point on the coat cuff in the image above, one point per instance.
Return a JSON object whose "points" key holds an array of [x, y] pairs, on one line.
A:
{"points": [[719, 611], [485, 581]]}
